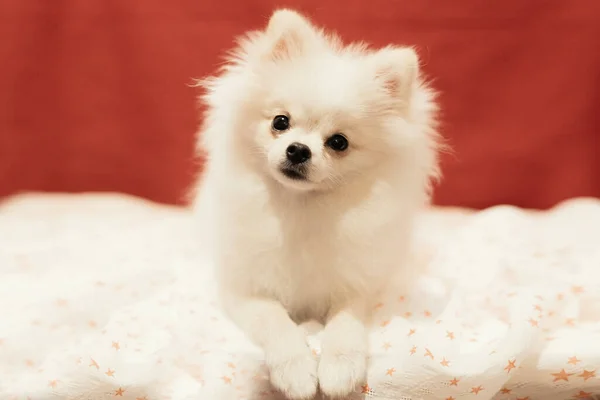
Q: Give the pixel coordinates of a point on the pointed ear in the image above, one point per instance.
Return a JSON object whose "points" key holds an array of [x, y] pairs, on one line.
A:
{"points": [[289, 34], [397, 68]]}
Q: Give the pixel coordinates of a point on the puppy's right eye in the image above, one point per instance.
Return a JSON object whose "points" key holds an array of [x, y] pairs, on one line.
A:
{"points": [[281, 123]]}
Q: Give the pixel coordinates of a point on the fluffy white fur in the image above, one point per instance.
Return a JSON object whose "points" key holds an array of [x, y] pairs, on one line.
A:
{"points": [[324, 247]]}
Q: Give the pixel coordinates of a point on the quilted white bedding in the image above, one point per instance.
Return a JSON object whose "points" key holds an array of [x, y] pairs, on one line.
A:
{"points": [[108, 297]]}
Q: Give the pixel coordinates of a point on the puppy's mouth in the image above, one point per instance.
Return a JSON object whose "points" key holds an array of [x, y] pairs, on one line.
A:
{"points": [[297, 173]]}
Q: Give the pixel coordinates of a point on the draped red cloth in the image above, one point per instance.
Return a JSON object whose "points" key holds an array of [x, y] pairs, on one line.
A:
{"points": [[94, 94]]}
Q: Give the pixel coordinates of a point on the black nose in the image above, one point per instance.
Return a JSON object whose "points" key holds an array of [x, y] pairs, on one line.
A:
{"points": [[297, 153]]}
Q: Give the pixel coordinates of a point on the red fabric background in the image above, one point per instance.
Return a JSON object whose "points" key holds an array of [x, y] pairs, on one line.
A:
{"points": [[93, 93]]}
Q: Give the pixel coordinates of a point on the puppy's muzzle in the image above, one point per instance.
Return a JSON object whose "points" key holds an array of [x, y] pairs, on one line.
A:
{"points": [[298, 153], [295, 165]]}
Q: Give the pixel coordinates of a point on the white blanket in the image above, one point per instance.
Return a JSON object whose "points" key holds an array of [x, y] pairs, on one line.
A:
{"points": [[107, 297]]}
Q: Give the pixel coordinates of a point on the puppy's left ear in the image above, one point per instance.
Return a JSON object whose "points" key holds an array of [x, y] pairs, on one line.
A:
{"points": [[289, 34], [397, 70]]}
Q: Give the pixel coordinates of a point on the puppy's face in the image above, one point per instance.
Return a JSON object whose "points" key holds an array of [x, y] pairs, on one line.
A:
{"points": [[320, 123], [316, 114]]}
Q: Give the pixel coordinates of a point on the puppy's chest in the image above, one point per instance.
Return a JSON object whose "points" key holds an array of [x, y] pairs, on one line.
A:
{"points": [[305, 262], [303, 276], [300, 252]]}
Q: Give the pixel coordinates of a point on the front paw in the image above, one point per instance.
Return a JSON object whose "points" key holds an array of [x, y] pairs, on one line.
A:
{"points": [[341, 371], [294, 373]]}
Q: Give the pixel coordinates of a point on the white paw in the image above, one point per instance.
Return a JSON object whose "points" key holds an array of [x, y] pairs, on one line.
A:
{"points": [[295, 375], [341, 372]]}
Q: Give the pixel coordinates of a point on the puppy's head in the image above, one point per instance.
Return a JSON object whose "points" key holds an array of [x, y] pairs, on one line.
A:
{"points": [[314, 114]]}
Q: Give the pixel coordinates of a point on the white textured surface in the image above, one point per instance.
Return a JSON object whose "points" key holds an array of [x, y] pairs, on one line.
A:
{"points": [[106, 296]]}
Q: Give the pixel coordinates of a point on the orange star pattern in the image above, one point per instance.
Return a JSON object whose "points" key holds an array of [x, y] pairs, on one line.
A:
{"points": [[119, 392], [537, 307], [573, 360], [116, 346], [505, 391], [428, 353], [450, 335], [560, 296], [53, 384], [226, 380], [533, 322], [231, 365], [582, 395], [561, 376], [390, 372], [427, 313], [411, 332], [365, 388], [570, 322], [454, 382], [386, 346], [110, 372], [385, 323], [577, 289], [258, 377], [450, 398], [587, 374], [476, 390], [378, 306], [413, 350], [408, 314], [444, 362], [61, 302], [401, 298], [510, 366]]}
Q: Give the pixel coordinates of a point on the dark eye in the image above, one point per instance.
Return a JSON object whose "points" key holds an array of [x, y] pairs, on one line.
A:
{"points": [[281, 123], [337, 142]]}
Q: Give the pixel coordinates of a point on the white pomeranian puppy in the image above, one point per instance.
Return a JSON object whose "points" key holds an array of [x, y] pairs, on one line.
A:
{"points": [[318, 157]]}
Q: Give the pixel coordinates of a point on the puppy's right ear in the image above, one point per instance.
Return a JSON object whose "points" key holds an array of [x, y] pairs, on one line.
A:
{"points": [[289, 33], [398, 70]]}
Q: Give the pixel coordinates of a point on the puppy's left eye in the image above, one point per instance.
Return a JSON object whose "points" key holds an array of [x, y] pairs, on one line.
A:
{"points": [[337, 142], [281, 123]]}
